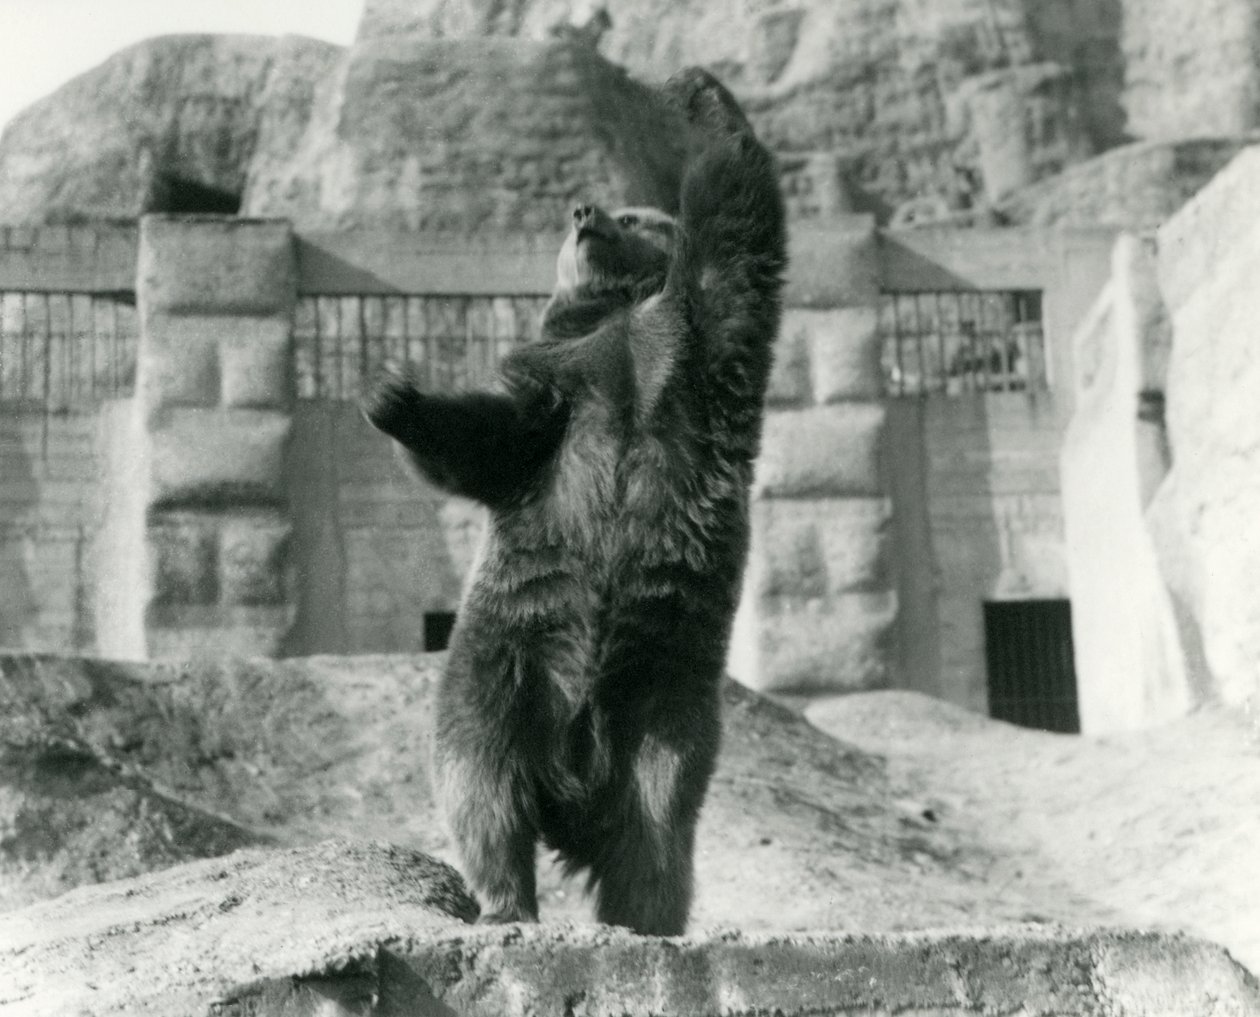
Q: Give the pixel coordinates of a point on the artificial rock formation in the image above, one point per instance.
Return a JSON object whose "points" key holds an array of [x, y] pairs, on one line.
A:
{"points": [[1136, 186], [170, 124], [472, 135], [900, 100], [479, 116], [472, 116], [458, 135], [370, 929]]}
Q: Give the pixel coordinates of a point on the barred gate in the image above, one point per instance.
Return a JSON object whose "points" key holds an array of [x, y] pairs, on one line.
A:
{"points": [[962, 341], [450, 341], [67, 350]]}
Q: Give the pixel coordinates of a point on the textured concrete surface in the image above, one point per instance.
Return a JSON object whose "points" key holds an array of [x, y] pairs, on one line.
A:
{"points": [[369, 929], [1126, 643], [1209, 254]]}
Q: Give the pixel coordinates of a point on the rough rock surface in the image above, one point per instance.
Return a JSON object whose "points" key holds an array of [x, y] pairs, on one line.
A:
{"points": [[464, 135], [300, 750], [1190, 70], [371, 929], [193, 938], [428, 121], [70, 812], [165, 125], [1136, 186], [941, 818], [909, 99], [472, 115]]}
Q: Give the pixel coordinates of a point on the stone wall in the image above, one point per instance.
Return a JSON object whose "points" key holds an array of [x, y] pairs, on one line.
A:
{"points": [[57, 447], [817, 604], [100, 258], [976, 487], [236, 517], [974, 478], [215, 394], [49, 509], [375, 548]]}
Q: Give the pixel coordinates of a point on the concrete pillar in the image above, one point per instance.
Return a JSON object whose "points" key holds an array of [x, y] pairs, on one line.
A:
{"points": [[215, 399], [818, 601]]}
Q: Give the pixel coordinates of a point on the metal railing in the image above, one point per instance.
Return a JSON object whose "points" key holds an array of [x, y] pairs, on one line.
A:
{"points": [[957, 342], [450, 341], [64, 351]]}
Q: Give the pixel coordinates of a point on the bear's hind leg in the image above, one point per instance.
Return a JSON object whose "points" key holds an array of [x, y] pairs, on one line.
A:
{"points": [[645, 884], [495, 839], [644, 874]]}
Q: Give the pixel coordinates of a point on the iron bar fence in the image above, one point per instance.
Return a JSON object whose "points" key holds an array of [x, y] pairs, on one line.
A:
{"points": [[450, 341], [961, 341], [64, 351]]}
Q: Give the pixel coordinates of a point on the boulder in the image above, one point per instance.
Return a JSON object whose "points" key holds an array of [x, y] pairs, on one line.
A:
{"points": [[197, 938], [70, 811], [370, 929]]}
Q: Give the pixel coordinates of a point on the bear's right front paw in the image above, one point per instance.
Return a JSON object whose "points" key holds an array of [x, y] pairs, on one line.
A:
{"points": [[706, 102]]}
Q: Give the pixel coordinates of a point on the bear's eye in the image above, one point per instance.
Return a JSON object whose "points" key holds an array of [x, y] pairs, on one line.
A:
{"points": [[628, 220]]}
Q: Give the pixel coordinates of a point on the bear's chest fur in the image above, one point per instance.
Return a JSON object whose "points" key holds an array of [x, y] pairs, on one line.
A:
{"points": [[635, 511]]}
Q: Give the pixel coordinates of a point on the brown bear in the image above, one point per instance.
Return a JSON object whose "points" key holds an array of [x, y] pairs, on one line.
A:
{"points": [[580, 702]]}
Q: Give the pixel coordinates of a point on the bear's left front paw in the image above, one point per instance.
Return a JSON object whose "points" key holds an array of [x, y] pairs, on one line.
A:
{"points": [[391, 402]]}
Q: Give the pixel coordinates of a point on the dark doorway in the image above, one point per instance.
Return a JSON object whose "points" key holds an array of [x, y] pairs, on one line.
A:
{"points": [[437, 629], [1032, 675]]}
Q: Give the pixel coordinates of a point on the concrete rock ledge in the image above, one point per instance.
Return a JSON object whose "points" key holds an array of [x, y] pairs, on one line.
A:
{"points": [[342, 929]]}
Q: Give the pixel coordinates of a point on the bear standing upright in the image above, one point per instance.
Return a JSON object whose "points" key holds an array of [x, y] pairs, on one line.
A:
{"points": [[581, 699]]}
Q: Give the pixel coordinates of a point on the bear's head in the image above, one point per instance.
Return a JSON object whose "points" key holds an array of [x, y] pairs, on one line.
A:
{"points": [[627, 250]]}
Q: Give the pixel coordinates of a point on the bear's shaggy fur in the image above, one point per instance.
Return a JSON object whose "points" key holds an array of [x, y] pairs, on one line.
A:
{"points": [[580, 703]]}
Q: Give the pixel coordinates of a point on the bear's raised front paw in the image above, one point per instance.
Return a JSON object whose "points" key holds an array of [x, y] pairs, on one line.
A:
{"points": [[705, 101]]}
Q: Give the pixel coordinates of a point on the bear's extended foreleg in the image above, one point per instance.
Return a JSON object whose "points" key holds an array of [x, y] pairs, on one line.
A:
{"points": [[732, 249], [493, 833], [480, 445]]}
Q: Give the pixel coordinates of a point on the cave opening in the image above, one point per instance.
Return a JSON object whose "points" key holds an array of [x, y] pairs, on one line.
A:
{"points": [[171, 192]]}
